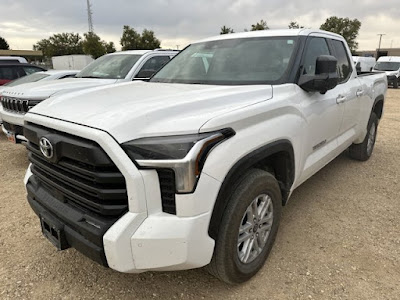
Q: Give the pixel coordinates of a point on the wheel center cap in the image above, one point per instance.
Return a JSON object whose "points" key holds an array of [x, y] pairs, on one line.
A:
{"points": [[255, 228]]}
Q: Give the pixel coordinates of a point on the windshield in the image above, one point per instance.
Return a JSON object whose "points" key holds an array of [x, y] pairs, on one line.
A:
{"points": [[387, 66], [29, 78], [261, 60], [115, 66]]}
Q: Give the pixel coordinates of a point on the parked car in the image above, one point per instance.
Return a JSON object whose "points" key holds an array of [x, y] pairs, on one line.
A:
{"points": [[193, 167], [11, 71], [13, 59], [391, 66], [109, 69], [38, 76], [42, 76], [364, 64]]}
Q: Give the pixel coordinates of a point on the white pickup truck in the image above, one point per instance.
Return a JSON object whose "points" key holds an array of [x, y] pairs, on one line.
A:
{"points": [[193, 168], [109, 69]]}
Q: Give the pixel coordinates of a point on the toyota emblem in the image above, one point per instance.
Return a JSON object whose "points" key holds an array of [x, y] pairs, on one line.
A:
{"points": [[46, 148]]}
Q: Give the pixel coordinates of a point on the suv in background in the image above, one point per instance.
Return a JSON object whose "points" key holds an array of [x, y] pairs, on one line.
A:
{"points": [[10, 71], [117, 67], [13, 59]]}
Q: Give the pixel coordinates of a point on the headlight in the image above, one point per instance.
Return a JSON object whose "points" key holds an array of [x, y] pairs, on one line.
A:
{"points": [[185, 154]]}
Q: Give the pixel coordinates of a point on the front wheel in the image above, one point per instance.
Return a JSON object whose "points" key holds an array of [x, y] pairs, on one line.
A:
{"points": [[248, 227], [364, 150]]}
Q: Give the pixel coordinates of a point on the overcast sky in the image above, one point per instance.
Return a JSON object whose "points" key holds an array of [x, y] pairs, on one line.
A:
{"points": [[179, 22]]}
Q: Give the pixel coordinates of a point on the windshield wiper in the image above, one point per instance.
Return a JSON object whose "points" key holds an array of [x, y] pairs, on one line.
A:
{"points": [[90, 76]]}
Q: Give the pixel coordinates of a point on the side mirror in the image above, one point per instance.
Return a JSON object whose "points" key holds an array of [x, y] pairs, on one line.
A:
{"points": [[325, 78]]}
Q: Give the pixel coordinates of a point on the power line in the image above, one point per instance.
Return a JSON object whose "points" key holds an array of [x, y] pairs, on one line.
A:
{"points": [[89, 12]]}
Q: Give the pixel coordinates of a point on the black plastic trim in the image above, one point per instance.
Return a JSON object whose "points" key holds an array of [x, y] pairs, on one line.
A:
{"points": [[83, 230], [245, 163]]}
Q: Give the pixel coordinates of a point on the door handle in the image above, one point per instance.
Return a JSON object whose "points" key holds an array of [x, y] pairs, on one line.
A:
{"points": [[359, 93], [340, 99]]}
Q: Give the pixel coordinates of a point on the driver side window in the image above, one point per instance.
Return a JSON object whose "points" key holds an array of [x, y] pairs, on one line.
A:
{"points": [[316, 46], [152, 66]]}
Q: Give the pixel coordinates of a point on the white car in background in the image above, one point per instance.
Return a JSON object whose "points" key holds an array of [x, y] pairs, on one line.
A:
{"points": [[42, 76], [108, 69], [391, 66], [38, 76]]}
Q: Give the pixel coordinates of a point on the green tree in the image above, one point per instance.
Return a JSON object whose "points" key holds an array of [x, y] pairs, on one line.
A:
{"points": [[262, 25], [60, 44], [130, 39], [294, 25], [92, 45], [148, 40], [110, 47], [226, 30], [3, 44], [344, 26]]}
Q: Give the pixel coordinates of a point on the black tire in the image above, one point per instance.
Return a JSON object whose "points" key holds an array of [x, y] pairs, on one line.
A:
{"points": [[361, 151], [226, 264], [395, 84]]}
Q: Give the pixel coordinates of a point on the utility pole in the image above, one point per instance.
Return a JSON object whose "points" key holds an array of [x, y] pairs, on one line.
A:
{"points": [[379, 47], [380, 40], [89, 12]]}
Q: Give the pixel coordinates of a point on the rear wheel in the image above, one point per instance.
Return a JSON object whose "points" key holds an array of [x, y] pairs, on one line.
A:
{"points": [[396, 84], [248, 227], [364, 150]]}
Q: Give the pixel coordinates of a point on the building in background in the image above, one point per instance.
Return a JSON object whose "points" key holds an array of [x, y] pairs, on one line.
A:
{"points": [[380, 52]]}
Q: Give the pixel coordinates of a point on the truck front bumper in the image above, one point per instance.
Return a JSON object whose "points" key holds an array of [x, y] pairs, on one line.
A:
{"points": [[142, 239], [12, 125], [392, 79], [135, 242]]}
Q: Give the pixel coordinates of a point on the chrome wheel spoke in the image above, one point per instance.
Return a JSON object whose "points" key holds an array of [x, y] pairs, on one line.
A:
{"points": [[245, 228], [265, 227], [267, 218], [249, 249], [264, 207], [254, 208], [244, 237]]}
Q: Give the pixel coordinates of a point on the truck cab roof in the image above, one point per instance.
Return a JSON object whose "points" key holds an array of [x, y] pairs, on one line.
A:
{"points": [[273, 33]]}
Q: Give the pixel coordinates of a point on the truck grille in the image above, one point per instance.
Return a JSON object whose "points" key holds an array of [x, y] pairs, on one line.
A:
{"points": [[80, 173], [18, 105]]}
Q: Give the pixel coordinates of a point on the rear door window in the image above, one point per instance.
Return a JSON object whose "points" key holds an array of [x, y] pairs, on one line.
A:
{"points": [[152, 66], [344, 67]]}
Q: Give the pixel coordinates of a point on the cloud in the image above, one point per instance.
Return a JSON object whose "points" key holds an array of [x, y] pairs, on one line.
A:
{"points": [[178, 22]]}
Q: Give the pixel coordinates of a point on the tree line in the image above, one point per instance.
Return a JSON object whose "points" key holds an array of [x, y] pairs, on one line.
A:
{"points": [[91, 44], [346, 27]]}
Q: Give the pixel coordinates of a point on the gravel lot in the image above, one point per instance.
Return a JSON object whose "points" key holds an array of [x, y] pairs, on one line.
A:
{"points": [[339, 239]]}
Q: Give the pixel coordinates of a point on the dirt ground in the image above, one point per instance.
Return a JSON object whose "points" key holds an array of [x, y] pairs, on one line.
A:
{"points": [[339, 239]]}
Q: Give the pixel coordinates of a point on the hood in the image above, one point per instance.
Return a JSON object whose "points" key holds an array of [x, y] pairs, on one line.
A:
{"points": [[140, 109], [44, 89], [392, 73]]}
